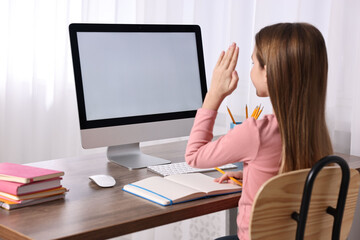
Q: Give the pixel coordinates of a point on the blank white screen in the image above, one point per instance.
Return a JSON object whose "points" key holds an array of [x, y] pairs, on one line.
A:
{"points": [[133, 74]]}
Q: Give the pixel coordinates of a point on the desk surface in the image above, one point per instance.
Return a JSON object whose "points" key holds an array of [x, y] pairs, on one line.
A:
{"points": [[91, 212]]}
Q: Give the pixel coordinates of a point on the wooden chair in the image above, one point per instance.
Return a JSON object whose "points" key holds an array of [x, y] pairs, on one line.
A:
{"points": [[282, 208]]}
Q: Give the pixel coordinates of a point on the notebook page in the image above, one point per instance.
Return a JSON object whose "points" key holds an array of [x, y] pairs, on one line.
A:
{"points": [[153, 188], [204, 183]]}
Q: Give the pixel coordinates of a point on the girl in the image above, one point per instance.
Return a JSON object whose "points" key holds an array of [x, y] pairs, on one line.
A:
{"points": [[290, 66]]}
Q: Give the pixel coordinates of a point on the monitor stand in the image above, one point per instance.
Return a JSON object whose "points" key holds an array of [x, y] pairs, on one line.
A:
{"points": [[131, 157]]}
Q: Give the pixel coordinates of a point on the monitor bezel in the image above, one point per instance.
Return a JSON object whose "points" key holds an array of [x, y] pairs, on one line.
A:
{"points": [[74, 28]]}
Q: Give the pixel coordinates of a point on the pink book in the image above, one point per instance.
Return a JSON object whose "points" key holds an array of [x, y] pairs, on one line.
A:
{"points": [[16, 188], [45, 193], [25, 174]]}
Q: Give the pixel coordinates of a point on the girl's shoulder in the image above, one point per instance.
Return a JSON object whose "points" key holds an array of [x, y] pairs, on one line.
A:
{"points": [[268, 125], [252, 127], [267, 121]]}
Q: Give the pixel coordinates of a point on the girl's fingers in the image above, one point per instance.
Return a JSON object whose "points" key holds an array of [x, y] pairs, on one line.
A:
{"points": [[234, 58], [226, 177], [229, 55], [220, 58], [234, 80], [222, 178]]}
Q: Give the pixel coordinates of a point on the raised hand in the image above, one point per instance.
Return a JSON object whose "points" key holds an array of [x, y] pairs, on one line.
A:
{"points": [[224, 79]]}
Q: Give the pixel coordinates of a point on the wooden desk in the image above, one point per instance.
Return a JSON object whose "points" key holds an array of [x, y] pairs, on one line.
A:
{"points": [[90, 212]]}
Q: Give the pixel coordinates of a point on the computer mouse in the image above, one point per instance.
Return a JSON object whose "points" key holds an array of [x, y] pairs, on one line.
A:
{"points": [[103, 180]]}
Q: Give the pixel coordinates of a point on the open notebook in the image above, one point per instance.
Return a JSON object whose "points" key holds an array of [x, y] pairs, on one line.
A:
{"points": [[179, 188]]}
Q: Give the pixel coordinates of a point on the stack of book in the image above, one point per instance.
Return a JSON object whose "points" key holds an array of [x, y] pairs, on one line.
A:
{"points": [[22, 185]]}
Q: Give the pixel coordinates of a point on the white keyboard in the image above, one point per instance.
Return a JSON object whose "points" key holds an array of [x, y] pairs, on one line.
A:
{"points": [[182, 168]]}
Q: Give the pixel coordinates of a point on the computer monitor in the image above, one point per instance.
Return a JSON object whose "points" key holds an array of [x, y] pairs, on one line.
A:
{"points": [[136, 83]]}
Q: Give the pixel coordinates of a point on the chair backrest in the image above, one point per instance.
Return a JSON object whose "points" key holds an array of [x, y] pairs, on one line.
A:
{"points": [[281, 196]]}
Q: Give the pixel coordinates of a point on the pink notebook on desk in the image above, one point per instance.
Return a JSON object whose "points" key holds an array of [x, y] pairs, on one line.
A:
{"points": [[25, 174], [16, 188]]}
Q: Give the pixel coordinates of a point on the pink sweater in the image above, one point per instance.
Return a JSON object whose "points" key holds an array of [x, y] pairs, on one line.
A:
{"points": [[256, 143]]}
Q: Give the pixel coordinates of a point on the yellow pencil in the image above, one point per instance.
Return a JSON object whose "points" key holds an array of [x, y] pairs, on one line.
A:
{"points": [[246, 110], [254, 112], [232, 118], [236, 181], [257, 115]]}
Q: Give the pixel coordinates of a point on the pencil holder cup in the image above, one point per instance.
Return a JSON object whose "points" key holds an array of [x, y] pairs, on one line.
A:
{"points": [[232, 125]]}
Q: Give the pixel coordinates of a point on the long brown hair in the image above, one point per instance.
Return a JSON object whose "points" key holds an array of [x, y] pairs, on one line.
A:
{"points": [[296, 67]]}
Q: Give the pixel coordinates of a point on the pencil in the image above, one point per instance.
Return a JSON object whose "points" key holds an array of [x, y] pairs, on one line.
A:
{"points": [[254, 112], [236, 181], [232, 118], [257, 115], [246, 110]]}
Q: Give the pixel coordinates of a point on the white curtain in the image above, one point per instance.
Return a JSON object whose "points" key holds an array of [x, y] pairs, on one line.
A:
{"points": [[38, 111]]}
